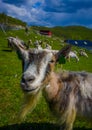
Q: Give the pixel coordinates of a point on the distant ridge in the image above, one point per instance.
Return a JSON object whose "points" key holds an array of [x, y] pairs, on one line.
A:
{"points": [[69, 32], [64, 32]]}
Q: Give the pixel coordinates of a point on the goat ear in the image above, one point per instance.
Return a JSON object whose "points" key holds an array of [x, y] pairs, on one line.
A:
{"points": [[17, 45], [60, 56]]}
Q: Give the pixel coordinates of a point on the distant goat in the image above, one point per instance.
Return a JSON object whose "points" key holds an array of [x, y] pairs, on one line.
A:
{"points": [[36, 43], [39, 47], [72, 54], [69, 94], [48, 47], [29, 43], [83, 53]]}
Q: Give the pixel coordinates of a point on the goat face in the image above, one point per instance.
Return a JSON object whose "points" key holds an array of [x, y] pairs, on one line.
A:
{"points": [[38, 65]]}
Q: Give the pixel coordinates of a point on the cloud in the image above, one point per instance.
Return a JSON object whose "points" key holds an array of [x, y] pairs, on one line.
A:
{"points": [[13, 10], [50, 12], [14, 2], [23, 12], [81, 17], [67, 6], [29, 12]]}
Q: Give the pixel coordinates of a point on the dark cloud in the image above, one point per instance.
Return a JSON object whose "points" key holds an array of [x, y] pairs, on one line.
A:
{"points": [[66, 6], [14, 2]]}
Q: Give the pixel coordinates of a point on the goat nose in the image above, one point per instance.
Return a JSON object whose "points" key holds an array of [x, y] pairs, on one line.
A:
{"points": [[28, 79]]}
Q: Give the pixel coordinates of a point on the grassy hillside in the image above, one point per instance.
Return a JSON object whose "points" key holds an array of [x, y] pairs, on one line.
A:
{"points": [[10, 20], [70, 32], [11, 94]]}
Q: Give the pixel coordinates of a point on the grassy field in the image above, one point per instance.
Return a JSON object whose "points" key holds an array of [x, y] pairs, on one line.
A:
{"points": [[11, 94]]}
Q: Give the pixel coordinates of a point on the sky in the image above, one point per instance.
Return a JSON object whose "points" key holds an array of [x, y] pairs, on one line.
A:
{"points": [[50, 12]]}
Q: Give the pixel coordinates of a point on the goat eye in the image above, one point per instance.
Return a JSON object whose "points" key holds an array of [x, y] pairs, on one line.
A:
{"points": [[52, 61]]}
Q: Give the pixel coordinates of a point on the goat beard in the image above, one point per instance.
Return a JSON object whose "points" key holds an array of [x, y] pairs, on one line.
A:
{"points": [[30, 100], [29, 103]]}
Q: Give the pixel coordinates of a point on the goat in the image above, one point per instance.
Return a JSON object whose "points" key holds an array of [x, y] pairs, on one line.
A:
{"points": [[83, 53], [69, 94], [72, 54], [48, 47], [36, 43], [29, 43], [39, 47]]}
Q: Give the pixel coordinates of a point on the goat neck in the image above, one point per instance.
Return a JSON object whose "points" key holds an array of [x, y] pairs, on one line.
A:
{"points": [[51, 90]]}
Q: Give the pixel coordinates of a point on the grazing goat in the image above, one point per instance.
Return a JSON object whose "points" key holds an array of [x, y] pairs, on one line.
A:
{"points": [[72, 55], [83, 53], [69, 94]]}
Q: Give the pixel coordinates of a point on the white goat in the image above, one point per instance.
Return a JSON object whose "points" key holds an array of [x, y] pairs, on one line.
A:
{"points": [[39, 47], [72, 54], [69, 94]]}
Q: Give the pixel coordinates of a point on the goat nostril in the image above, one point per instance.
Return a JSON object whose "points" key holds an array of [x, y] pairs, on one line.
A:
{"points": [[23, 80], [32, 78]]}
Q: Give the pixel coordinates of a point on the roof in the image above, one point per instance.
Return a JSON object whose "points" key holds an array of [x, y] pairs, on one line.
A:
{"points": [[81, 43], [45, 32]]}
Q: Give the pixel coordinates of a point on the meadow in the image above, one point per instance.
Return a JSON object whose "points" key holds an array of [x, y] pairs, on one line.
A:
{"points": [[11, 96]]}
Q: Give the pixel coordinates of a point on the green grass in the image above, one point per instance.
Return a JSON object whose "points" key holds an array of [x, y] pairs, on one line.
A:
{"points": [[11, 94]]}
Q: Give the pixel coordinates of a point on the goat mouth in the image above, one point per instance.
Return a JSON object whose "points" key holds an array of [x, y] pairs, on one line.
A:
{"points": [[31, 90]]}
